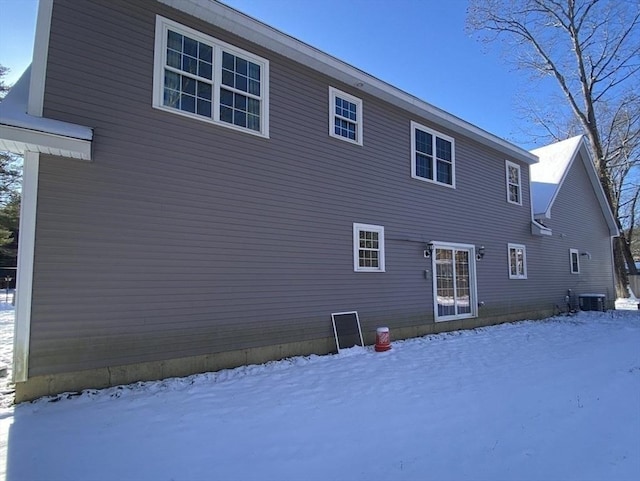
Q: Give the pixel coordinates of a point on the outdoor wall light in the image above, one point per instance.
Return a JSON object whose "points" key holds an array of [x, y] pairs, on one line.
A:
{"points": [[480, 254], [428, 250]]}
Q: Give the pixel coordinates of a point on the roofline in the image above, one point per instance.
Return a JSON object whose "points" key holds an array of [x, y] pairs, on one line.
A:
{"points": [[243, 25], [590, 167], [597, 187], [20, 140]]}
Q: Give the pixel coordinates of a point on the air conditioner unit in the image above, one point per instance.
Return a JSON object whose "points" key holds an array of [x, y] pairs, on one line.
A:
{"points": [[593, 302]]}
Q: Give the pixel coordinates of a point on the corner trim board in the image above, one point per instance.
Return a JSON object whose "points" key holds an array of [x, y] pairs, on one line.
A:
{"points": [[26, 250]]}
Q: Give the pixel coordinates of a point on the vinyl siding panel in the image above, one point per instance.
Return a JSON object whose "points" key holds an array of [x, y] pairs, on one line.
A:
{"points": [[185, 238], [578, 223]]}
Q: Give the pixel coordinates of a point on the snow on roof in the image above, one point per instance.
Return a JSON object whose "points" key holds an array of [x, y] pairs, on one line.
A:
{"points": [[548, 173], [13, 112]]}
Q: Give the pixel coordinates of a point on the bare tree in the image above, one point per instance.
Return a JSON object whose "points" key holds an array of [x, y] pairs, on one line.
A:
{"points": [[591, 48], [10, 164]]}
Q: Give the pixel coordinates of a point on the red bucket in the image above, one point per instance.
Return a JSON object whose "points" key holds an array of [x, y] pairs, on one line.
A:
{"points": [[383, 339]]}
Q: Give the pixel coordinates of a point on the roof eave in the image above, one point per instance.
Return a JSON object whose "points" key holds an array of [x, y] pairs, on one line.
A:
{"points": [[20, 140]]}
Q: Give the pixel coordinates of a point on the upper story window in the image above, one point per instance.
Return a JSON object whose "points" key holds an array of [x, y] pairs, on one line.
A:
{"points": [[368, 248], [517, 261], [432, 156], [514, 183], [204, 78], [574, 258], [345, 116]]}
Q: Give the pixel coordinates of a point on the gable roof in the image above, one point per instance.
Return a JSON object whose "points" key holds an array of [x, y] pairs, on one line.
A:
{"points": [[549, 174], [247, 27]]}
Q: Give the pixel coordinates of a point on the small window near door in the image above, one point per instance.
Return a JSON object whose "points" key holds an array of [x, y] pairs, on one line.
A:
{"points": [[517, 261], [368, 248], [574, 257]]}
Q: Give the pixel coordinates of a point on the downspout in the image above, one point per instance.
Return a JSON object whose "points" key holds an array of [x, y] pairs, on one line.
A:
{"points": [[28, 208]]}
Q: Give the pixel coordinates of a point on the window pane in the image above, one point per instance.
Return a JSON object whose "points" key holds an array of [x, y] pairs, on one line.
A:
{"points": [[205, 70], [241, 66], [174, 59], [514, 193], [171, 98], [254, 71], [204, 108], [424, 166], [228, 61], [226, 114], [254, 87], [205, 53], [253, 122], [204, 90], [226, 97], [227, 78], [239, 118], [190, 47], [424, 142], [254, 106], [443, 149], [174, 41], [172, 80], [188, 85], [445, 174], [188, 103], [241, 83], [189, 64]]}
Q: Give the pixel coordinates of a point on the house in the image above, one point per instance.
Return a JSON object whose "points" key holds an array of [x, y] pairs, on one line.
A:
{"points": [[202, 191], [569, 201]]}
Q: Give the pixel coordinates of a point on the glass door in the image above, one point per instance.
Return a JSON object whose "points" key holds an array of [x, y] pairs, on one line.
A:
{"points": [[454, 282]]}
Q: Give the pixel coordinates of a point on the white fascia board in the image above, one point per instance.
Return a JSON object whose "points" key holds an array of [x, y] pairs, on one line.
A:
{"points": [[259, 33], [19, 140], [35, 104]]}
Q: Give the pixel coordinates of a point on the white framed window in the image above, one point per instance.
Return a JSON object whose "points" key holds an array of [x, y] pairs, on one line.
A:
{"points": [[574, 259], [432, 156], [517, 261], [345, 116], [514, 183], [368, 248], [201, 77]]}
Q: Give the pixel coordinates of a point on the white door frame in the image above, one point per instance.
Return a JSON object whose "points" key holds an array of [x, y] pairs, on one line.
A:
{"points": [[473, 284]]}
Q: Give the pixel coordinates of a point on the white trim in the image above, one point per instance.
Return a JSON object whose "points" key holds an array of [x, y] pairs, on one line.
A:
{"points": [[473, 288], [434, 134], [333, 94], [159, 60], [259, 33], [577, 254], [24, 281], [524, 260], [356, 247], [20, 140], [508, 164], [35, 105]]}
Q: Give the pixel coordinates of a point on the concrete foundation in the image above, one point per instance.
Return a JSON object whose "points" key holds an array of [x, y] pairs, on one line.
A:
{"points": [[52, 384]]}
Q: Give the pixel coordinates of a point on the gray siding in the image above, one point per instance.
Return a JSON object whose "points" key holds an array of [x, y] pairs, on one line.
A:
{"points": [[578, 223], [184, 238]]}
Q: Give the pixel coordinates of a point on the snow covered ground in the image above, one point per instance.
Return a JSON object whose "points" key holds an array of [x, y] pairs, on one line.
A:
{"points": [[544, 400]]}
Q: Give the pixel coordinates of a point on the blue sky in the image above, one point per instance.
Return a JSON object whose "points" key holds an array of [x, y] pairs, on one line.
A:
{"points": [[419, 46]]}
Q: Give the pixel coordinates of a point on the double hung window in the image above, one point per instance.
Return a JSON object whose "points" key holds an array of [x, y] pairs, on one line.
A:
{"points": [[432, 156], [574, 258], [368, 248], [514, 183], [345, 116], [201, 77], [517, 261]]}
